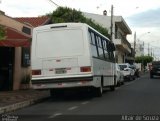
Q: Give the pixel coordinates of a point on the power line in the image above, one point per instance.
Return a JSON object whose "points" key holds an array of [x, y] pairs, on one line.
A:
{"points": [[54, 3]]}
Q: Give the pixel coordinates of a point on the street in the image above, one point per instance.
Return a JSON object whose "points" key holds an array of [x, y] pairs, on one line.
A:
{"points": [[139, 97]]}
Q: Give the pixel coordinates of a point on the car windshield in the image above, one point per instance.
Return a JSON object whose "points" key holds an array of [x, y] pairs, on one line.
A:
{"points": [[156, 64], [132, 67], [122, 67]]}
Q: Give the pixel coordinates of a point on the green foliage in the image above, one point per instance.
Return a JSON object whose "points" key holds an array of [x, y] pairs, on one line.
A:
{"points": [[144, 59], [2, 33], [64, 14]]}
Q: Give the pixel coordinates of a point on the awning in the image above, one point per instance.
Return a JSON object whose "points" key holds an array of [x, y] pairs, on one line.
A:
{"points": [[15, 43], [15, 38]]}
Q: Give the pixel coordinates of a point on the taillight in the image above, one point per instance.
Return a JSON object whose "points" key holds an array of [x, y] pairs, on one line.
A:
{"points": [[36, 72], [85, 69]]}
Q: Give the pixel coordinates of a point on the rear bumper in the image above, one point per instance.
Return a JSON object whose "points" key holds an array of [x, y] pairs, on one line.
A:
{"points": [[62, 83], [61, 80]]}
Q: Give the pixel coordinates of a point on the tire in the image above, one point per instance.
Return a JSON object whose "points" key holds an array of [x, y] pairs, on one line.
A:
{"points": [[134, 77], [151, 76], [130, 78], [122, 83], [112, 88], [99, 91], [52, 93], [118, 84]]}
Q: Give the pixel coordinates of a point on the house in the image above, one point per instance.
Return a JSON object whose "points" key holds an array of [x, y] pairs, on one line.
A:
{"points": [[34, 21], [17, 35], [15, 50], [119, 34]]}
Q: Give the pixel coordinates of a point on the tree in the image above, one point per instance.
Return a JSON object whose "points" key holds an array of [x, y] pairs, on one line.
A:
{"points": [[65, 14], [144, 60], [2, 33]]}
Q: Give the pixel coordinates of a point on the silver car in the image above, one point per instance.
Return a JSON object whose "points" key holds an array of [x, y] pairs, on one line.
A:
{"points": [[119, 75]]}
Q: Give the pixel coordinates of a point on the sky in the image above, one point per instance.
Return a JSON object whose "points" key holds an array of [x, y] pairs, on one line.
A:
{"points": [[142, 16]]}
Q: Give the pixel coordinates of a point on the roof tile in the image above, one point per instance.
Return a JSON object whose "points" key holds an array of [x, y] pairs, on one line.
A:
{"points": [[34, 21]]}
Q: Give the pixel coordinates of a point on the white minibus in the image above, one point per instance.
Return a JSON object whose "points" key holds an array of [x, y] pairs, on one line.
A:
{"points": [[71, 55]]}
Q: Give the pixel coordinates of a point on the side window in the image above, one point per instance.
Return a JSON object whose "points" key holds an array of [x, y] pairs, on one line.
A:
{"points": [[99, 44], [89, 36], [105, 46], [93, 38], [93, 45]]}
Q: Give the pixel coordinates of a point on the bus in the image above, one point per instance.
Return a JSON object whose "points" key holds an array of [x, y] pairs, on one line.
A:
{"points": [[71, 56]]}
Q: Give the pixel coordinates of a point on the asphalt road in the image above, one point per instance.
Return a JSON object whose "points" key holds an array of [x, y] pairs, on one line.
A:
{"points": [[135, 100]]}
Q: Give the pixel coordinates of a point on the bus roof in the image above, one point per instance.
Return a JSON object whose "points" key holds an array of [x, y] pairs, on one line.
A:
{"points": [[64, 25]]}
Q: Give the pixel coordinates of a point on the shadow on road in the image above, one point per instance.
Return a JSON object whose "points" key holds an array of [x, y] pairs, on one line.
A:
{"points": [[75, 96]]}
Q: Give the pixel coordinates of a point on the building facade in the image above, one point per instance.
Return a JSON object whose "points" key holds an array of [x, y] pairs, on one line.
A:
{"points": [[15, 67], [18, 35], [120, 30]]}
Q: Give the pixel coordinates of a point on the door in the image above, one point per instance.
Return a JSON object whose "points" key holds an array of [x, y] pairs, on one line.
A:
{"points": [[6, 68]]}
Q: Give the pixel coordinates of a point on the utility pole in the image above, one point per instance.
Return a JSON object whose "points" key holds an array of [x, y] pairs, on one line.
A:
{"points": [[111, 23], [151, 51], [148, 49], [135, 44], [143, 48]]}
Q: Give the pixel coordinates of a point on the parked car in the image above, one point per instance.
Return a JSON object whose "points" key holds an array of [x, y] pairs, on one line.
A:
{"points": [[136, 70], [119, 75], [127, 71], [155, 69]]}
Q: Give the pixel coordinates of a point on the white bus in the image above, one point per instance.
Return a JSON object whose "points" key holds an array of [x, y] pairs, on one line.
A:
{"points": [[71, 55]]}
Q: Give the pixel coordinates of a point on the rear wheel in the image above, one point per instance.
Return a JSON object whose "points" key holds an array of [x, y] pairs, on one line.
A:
{"points": [[118, 83], [130, 78], [52, 93], [112, 88], [134, 77], [99, 91], [151, 76], [122, 83]]}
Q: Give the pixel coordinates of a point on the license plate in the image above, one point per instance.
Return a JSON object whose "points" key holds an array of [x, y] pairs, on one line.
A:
{"points": [[60, 71]]}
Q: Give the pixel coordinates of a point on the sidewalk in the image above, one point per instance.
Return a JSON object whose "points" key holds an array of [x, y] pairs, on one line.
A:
{"points": [[13, 100]]}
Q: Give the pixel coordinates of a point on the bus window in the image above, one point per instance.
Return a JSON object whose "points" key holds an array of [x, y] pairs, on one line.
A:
{"points": [[105, 49], [100, 49], [93, 38], [93, 45]]}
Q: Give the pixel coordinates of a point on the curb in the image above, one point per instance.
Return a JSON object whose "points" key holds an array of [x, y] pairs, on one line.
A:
{"points": [[20, 105]]}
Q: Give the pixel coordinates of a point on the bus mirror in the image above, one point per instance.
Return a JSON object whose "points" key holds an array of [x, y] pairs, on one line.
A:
{"points": [[113, 47]]}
